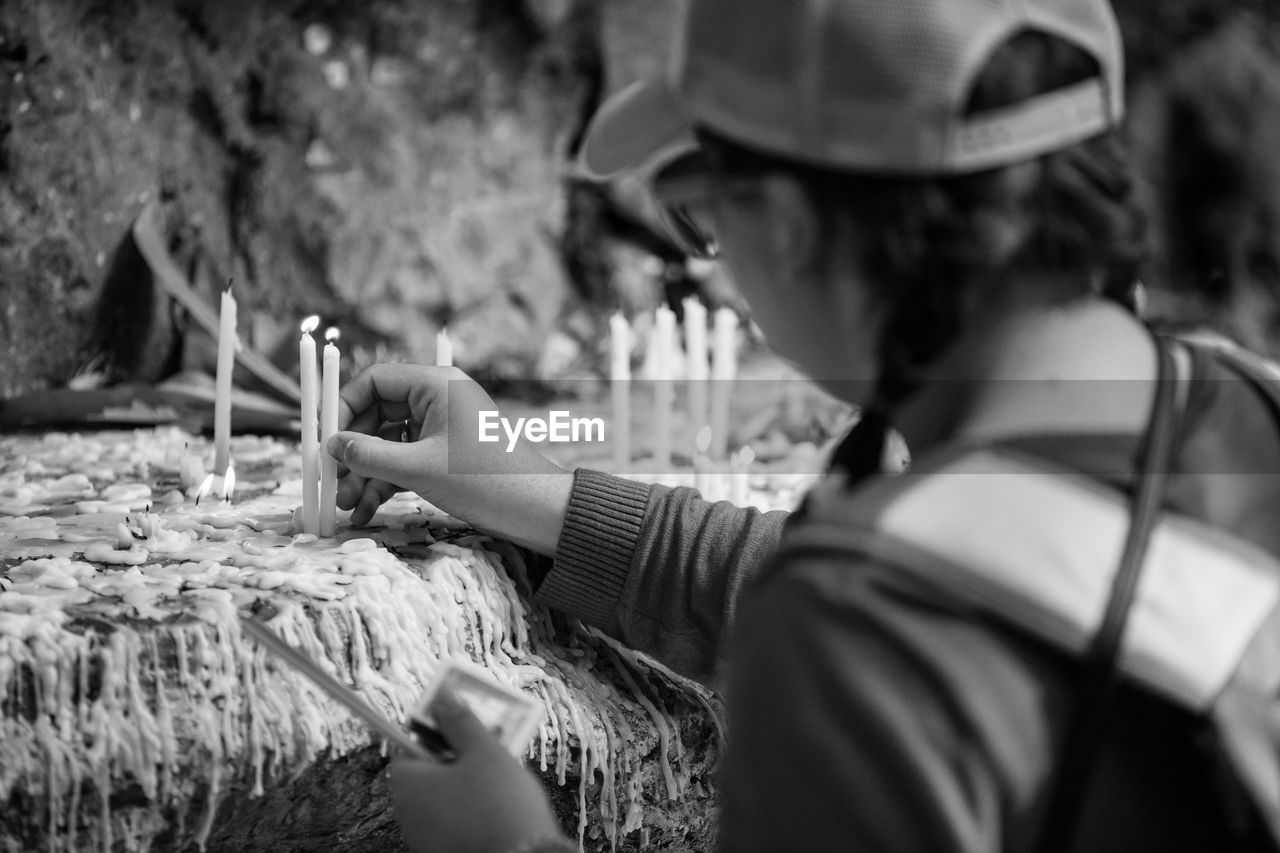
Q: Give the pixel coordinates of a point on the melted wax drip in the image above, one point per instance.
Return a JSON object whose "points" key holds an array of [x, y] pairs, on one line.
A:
{"points": [[182, 708]]}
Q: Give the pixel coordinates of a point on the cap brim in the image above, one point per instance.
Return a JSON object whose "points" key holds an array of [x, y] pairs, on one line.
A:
{"points": [[632, 130]]}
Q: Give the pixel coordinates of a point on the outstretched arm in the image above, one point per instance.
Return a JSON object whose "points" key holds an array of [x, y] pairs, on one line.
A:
{"points": [[659, 568], [656, 567]]}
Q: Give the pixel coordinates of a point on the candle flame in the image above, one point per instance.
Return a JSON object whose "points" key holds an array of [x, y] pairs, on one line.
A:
{"points": [[332, 334], [703, 439], [205, 488], [228, 484], [310, 324], [744, 457]]}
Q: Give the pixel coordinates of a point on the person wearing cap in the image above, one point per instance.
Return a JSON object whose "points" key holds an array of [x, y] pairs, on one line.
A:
{"points": [[925, 203]]}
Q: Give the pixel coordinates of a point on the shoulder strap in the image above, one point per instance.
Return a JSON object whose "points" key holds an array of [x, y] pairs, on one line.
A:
{"points": [[1101, 678], [1262, 373]]}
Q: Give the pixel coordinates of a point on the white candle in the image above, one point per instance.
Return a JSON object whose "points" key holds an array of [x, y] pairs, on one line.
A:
{"points": [[124, 537], [620, 386], [190, 470], [222, 384], [695, 343], [310, 431], [724, 369], [739, 474], [329, 426], [205, 488], [703, 470], [444, 348], [664, 389]]}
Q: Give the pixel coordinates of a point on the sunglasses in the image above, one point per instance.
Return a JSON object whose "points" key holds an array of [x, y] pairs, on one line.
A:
{"points": [[681, 190]]}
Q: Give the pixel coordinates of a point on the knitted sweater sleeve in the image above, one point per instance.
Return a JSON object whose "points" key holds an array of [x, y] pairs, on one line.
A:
{"points": [[658, 568]]}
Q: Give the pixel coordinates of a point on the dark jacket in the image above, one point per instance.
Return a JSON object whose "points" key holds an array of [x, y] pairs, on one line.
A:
{"points": [[866, 714]]}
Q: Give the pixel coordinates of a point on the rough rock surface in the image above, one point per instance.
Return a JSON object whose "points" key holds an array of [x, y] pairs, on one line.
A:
{"points": [[392, 166], [400, 164], [135, 715]]}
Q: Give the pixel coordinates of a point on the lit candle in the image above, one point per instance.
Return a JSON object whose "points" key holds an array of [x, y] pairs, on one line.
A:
{"points": [[329, 426], [205, 488], [695, 344], [224, 517], [444, 348], [310, 429], [724, 369], [222, 385], [620, 386], [664, 389]]}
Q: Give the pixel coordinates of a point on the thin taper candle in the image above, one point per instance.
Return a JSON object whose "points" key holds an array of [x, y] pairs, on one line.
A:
{"points": [[739, 474], [696, 367], [328, 427], [703, 469], [310, 428], [664, 389], [222, 382], [724, 369], [620, 386]]}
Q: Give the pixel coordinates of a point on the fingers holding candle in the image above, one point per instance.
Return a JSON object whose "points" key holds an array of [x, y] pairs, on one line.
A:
{"points": [[388, 394]]}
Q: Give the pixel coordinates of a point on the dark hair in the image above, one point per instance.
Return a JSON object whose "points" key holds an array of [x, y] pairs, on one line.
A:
{"points": [[938, 248]]}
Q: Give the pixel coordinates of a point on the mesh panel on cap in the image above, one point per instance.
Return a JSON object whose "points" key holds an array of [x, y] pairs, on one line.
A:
{"points": [[878, 84], [886, 63], [734, 35]]}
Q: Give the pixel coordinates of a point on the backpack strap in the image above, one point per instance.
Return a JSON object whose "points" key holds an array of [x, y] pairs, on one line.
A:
{"points": [[966, 523], [1262, 373], [1101, 677]]}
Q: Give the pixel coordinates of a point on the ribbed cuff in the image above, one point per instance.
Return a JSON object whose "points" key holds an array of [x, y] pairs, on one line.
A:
{"points": [[596, 547]]}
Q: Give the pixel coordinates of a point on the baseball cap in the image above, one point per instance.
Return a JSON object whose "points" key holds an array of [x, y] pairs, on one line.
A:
{"points": [[859, 85]]}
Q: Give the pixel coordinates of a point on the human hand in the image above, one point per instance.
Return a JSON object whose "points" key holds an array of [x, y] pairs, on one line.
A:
{"points": [[441, 457], [481, 802]]}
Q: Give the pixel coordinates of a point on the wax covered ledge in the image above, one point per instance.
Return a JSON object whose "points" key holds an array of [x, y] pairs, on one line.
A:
{"points": [[134, 716]]}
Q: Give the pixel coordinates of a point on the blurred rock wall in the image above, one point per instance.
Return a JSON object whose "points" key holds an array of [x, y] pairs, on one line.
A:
{"points": [[393, 166], [1205, 122], [397, 165]]}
